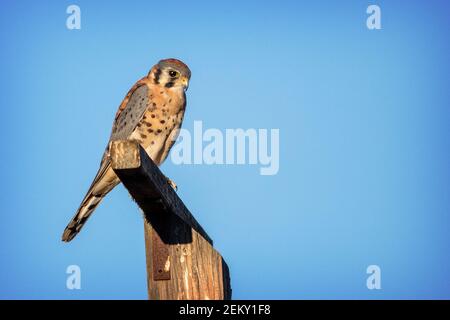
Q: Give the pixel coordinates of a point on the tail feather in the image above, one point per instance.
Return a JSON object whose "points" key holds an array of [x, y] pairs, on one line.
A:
{"points": [[84, 212], [103, 183]]}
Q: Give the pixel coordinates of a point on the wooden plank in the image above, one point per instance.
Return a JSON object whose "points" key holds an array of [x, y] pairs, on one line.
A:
{"points": [[147, 185], [198, 271], [181, 262]]}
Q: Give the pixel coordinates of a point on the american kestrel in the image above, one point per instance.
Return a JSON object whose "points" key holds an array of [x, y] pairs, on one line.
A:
{"points": [[151, 113]]}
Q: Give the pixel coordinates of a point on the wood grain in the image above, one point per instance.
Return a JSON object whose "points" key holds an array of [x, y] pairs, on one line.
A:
{"points": [[175, 242]]}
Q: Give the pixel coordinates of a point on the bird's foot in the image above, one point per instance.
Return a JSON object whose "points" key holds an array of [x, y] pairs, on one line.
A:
{"points": [[172, 184]]}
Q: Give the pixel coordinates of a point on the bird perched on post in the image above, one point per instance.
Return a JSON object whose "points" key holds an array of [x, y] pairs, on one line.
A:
{"points": [[151, 114]]}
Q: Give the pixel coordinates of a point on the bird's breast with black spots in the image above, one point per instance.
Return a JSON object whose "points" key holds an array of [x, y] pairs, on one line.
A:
{"points": [[164, 114]]}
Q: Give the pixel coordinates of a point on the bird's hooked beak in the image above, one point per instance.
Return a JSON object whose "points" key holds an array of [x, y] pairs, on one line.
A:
{"points": [[185, 82]]}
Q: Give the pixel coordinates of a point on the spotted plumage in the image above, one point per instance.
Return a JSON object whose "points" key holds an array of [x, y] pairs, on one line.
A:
{"points": [[151, 113]]}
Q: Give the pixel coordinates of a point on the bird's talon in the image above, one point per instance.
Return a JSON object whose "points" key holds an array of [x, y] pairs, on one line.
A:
{"points": [[172, 184]]}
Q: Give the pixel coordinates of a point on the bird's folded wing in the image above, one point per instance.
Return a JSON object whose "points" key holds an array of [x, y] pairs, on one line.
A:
{"points": [[128, 119]]}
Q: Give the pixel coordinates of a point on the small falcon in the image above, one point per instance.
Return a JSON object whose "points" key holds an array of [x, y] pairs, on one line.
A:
{"points": [[151, 114]]}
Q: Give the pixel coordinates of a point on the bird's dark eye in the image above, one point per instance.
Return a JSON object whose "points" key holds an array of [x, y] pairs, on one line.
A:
{"points": [[173, 74]]}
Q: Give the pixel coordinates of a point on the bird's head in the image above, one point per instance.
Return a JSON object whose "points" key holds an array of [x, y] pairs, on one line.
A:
{"points": [[170, 73]]}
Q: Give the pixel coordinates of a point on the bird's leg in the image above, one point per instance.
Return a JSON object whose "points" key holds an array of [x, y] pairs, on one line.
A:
{"points": [[172, 184]]}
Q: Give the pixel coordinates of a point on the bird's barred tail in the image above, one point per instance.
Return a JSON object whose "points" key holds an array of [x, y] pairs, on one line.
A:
{"points": [[103, 183], [84, 212]]}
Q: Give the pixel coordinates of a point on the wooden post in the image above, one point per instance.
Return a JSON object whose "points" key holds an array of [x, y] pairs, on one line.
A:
{"points": [[181, 261]]}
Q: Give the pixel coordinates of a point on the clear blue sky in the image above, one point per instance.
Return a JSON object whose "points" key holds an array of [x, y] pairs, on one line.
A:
{"points": [[364, 143]]}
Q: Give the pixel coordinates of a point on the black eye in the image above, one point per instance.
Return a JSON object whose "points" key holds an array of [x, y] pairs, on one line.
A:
{"points": [[173, 74]]}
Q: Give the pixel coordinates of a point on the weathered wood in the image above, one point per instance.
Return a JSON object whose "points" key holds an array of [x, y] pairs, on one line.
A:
{"points": [[181, 261], [198, 272], [146, 184]]}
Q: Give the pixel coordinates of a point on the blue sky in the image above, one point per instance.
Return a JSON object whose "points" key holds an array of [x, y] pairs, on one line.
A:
{"points": [[364, 144]]}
